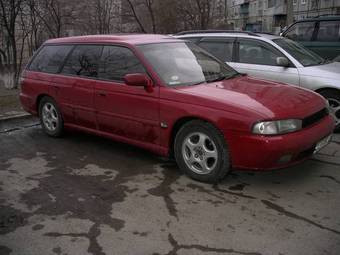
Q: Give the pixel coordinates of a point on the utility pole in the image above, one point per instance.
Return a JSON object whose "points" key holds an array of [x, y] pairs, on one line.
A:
{"points": [[290, 12]]}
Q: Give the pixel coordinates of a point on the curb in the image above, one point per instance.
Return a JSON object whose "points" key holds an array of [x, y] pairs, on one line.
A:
{"points": [[22, 115]]}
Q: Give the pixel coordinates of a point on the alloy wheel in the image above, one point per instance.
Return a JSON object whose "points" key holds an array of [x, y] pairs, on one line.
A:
{"points": [[335, 106], [200, 153], [50, 117]]}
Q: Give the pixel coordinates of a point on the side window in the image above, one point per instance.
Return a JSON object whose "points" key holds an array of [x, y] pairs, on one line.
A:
{"points": [[83, 61], [50, 58], [116, 62], [222, 50], [252, 52], [301, 31], [329, 31]]}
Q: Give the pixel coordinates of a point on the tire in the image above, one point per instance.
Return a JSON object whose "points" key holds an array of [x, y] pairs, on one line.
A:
{"points": [[50, 117], [201, 152], [333, 97]]}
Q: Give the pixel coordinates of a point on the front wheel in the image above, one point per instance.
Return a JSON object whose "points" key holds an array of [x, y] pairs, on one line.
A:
{"points": [[333, 98], [201, 152]]}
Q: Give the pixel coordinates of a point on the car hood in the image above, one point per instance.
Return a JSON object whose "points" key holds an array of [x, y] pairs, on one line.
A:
{"points": [[270, 100], [329, 71]]}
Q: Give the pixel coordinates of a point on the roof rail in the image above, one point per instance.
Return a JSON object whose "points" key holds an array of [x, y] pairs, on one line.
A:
{"points": [[265, 33], [215, 31]]}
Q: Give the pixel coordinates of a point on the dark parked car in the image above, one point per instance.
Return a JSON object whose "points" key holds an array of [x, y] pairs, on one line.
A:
{"points": [[173, 98], [322, 35]]}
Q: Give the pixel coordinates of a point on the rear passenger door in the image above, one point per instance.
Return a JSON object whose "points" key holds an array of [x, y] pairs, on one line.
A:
{"points": [[123, 110], [258, 59], [45, 66], [80, 72]]}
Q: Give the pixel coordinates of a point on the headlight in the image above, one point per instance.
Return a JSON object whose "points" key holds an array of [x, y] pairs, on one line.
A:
{"points": [[277, 127]]}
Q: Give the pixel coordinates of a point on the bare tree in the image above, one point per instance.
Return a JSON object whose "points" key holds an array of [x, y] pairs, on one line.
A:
{"points": [[101, 17], [133, 13], [168, 18], [35, 26], [55, 14], [149, 4], [9, 11], [196, 14]]}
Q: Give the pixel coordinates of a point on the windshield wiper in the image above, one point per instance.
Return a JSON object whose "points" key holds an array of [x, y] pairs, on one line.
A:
{"points": [[221, 78], [197, 83]]}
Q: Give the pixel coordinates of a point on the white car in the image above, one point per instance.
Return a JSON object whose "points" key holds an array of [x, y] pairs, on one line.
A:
{"points": [[274, 58]]}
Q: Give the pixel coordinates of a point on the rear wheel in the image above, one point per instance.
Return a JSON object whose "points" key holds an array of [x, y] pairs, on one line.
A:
{"points": [[201, 152], [333, 98], [50, 117]]}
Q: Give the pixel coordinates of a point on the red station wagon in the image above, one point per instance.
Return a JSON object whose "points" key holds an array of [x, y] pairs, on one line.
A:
{"points": [[173, 98]]}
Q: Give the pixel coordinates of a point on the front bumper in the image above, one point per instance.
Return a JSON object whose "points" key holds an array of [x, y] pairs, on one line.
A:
{"points": [[249, 151]]}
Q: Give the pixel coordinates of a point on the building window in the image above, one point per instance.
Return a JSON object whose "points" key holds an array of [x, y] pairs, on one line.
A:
{"points": [[303, 1], [294, 2], [271, 3], [260, 4]]}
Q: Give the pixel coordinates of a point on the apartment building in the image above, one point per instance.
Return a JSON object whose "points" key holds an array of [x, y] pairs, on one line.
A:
{"points": [[271, 15]]}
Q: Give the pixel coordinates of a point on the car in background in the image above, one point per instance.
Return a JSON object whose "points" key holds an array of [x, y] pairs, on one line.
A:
{"points": [[273, 58], [321, 35], [173, 98]]}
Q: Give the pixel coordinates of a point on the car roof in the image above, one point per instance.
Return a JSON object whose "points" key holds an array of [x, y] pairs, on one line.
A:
{"points": [[257, 35], [134, 39], [319, 18]]}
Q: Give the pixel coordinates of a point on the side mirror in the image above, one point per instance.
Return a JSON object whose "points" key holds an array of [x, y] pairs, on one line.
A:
{"points": [[139, 80], [282, 61]]}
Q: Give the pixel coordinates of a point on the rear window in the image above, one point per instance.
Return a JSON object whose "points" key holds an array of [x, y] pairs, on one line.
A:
{"points": [[50, 58]]}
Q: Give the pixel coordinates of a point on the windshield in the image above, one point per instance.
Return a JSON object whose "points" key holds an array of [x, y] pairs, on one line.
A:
{"points": [[299, 52], [185, 64]]}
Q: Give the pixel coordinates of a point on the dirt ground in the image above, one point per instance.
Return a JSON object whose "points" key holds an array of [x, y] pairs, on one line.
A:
{"points": [[83, 194], [9, 100]]}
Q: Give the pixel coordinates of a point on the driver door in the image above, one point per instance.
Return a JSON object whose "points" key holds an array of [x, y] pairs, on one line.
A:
{"points": [[125, 111], [258, 59]]}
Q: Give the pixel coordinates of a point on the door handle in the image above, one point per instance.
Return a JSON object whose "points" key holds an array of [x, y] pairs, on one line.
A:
{"points": [[102, 93]]}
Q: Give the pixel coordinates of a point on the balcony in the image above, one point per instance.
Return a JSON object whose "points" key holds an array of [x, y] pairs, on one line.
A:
{"points": [[280, 9], [244, 9]]}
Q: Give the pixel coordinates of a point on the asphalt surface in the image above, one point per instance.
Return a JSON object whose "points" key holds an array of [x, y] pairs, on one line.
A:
{"points": [[87, 195]]}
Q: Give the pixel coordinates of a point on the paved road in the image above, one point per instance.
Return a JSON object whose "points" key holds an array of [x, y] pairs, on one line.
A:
{"points": [[87, 195]]}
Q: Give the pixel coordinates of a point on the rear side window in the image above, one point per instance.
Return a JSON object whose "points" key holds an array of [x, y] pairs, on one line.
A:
{"points": [[329, 31], [83, 61], [223, 50], [116, 62], [50, 58]]}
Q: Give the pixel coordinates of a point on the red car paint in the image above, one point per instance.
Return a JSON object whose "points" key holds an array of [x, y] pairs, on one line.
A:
{"points": [[150, 118]]}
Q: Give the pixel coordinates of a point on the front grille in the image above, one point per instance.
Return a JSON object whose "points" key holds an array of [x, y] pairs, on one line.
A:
{"points": [[314, 118]]}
